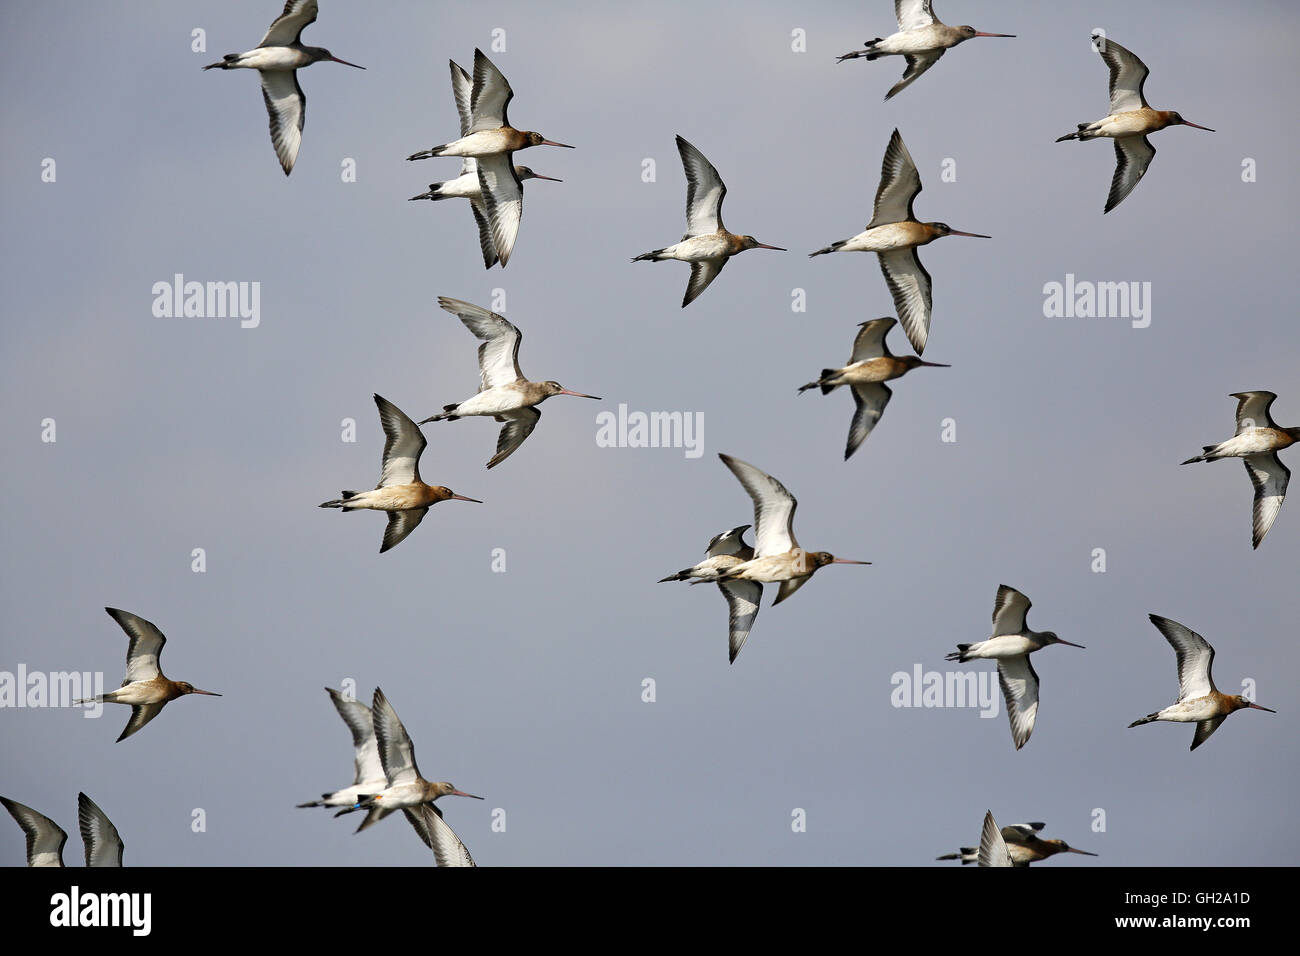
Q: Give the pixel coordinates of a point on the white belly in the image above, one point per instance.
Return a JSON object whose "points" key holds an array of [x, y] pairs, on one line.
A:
{"points": [[1257, 441], [892, 235], [1116, 125], [1005, 645], [1190, 711], [776, 567], [401, 796], [486, 142], [392, 498], [494, 401], [272, 58], [699, 247], [137, 692], [932, 37], [462, 187]]}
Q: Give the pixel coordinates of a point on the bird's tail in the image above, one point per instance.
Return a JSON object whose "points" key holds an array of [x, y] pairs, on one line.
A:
{"points": [[1145, 720], [820, 383], [653, 256], [1205, 455], [228, 62], [448, 414], [869, 52], [314, 803], [958, 655], [1080, 134], [434, 189], [683, 575], [340, 502], [833, 247], [92, 700], [427, 153], [967, 854]]}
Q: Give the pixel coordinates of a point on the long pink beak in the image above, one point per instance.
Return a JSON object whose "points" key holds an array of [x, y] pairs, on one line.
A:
{"points": [[1257, 707], [565, 391], [463, 498], [763, 245], [1080, 852], [551, 179], [346, 63], [462, 793], [206, 693], [847, 561], [1197, 126], [547, 142], [973, 235], [1070, 644], [933, 365], [978, 34]]}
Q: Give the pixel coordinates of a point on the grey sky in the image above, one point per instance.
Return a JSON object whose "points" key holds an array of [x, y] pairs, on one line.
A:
{"points": [[525, 686]]}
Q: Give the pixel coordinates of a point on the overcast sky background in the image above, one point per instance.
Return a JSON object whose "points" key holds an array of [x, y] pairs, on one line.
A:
{"points": [[525, 686]]}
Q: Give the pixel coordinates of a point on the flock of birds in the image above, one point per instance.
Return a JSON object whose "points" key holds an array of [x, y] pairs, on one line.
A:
{"points": [[386, 777]]}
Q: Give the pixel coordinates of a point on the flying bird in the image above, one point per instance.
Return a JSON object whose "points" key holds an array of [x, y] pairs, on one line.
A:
{"points": [[1199, 701], [1257, 441], [777, 555], [367, 770], [726, 550], [1011, 644], [145, 688], [706, 244], [1022, 844], [277, 59], [468, 185], [408, 791], [894, 234], [488, 138], [1130, 119], [921, 39], [400, 491], [45, 838], [871, 365], [504, 393]]}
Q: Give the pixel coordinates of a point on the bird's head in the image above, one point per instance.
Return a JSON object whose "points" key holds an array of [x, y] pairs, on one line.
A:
{"points": [[1241, 702], [915, 361], [537, 139], [941, 229], [749, 242], [1049, 637], [444, 493], [967, 32], [320, 53], [523, 172], [818, 559], [445, 789], [1060, 846], [555, 388], [187, 688], [1176, 119]]}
